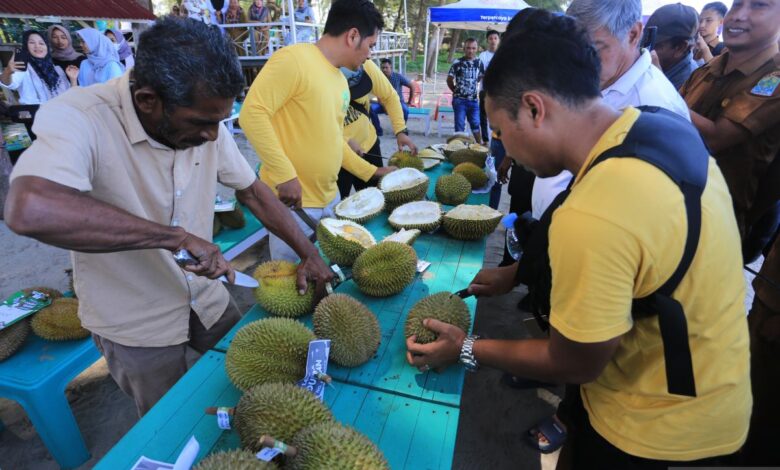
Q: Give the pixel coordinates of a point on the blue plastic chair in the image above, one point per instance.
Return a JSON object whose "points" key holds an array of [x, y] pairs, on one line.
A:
{"points": [[36, 377]]}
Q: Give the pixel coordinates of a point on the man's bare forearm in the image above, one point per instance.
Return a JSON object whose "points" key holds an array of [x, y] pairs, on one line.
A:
{"points": [[264, 204], [61, 216]]}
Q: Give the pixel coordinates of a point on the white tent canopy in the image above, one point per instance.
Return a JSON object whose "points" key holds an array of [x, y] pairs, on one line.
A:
{"points": [[479, 15]]}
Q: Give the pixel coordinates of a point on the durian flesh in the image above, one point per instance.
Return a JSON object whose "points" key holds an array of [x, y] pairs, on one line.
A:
{"points": [[362, 206], [404, 185], [469, 222], [421, 215], [403, 236]]}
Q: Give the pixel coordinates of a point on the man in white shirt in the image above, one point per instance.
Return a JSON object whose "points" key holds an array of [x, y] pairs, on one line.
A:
{"points": [[493, 39], [628, 78]]}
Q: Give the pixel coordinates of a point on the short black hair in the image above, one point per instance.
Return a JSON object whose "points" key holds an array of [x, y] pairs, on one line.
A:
{"points": [[491, 32], [386, 61], [718, 7], [470, 40], [347, 14], [180, 59], [546, 52], [680, 42]]}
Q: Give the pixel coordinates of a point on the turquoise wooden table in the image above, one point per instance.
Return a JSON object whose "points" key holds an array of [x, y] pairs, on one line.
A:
{"points": [[411, 416], [413, 434], [233, 242]]}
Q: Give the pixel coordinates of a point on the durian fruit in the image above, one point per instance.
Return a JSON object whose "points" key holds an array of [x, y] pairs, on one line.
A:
{"points": [[462, 138], [12, 337], [429, 163], [350, 326], [443, 307], [421, 215], [333, 446], [473, 173], [268, 350], [237, 459], [452, 189], [59, 321], [343, 240], [278, 410], [278, 291], [385, 269], [453, 146], [362, 206], [49, 291], [403, 236], [217, 226], [469, 222], [475, 154], [402, 186], [429, 153], [405, 159], [232, 219]]}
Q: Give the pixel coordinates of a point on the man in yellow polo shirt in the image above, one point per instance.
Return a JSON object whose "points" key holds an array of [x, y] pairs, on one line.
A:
{"points": [[294, 115], [620, 236]]}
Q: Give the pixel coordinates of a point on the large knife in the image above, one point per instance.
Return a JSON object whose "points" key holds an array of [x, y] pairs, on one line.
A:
{"points": [[185, 258]]}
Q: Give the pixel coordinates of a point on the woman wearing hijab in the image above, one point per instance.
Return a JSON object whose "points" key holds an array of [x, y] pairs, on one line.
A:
{"points": [[234, 14], [259, 13], [62, 52], [122, 47], [33, 74], [102, 62]]}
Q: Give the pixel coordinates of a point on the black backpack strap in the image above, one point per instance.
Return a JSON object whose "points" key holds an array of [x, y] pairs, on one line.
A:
{"points": [[684, 159]]}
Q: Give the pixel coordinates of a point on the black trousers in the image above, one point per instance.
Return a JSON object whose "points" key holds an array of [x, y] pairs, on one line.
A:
{"points": [[590, 450], [347, 180], [483, 122]]}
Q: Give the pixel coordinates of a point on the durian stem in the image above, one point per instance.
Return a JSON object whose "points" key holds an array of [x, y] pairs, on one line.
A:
{"points": [[325, 378], [268, 441], [212, 410]]}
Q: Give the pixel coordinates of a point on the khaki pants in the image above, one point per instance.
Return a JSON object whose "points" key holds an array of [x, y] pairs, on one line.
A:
{"points": [[146, 374]]}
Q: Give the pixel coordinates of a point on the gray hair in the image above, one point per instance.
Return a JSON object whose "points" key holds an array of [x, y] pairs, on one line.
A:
{"points": [[180, 59], [616, 16]]}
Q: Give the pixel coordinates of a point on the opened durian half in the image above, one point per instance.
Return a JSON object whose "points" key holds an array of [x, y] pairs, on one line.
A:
{"points": [[404, 185], [469, 222], [362, 206], [403, 236], [421, 215], [343, 241]]}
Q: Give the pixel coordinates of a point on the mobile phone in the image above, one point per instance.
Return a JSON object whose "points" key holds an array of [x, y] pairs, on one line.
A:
{"points": [[5, 57], [648, 41]]}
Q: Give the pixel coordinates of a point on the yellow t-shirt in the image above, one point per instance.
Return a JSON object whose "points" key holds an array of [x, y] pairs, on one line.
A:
{"points": [[620, 235], [357, 126], [294, 117]]}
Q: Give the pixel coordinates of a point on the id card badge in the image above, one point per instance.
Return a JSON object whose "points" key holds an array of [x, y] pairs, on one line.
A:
{"points": [[767, 85], [316, 365]]}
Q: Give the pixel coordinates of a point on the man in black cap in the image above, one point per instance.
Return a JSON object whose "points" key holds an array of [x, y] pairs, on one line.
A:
{"points": [[677, 27]]}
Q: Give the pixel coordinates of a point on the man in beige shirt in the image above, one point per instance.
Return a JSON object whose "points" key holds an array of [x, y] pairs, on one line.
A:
{"points": [[124, 174]]}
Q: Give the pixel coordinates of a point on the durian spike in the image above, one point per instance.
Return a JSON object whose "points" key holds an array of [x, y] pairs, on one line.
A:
{"points": [[212, 410], [268, 441]]}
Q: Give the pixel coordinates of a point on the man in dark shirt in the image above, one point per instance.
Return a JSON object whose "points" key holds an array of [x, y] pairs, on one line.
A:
{"points": [[463, 80], [677, 25], [708, 44], [398, 81]]}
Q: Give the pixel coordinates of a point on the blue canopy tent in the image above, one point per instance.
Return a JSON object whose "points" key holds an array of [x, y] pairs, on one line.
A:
{"points": [[478, 15]]}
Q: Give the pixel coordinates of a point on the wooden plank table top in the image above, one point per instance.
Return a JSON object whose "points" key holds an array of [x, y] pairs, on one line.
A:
{"points": [[413, 434]]}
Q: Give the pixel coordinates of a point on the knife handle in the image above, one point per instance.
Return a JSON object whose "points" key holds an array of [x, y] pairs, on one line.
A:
{"points": [[184, 258]]}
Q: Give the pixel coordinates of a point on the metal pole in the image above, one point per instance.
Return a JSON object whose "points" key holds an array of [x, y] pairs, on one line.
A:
{"points": [[291, 17], [427, 33], [406, 19], [436, 58]]}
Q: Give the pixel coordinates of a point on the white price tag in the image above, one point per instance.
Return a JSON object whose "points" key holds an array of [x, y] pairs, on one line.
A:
{"points": [[422, 265], [223, 418], [268, 453]]}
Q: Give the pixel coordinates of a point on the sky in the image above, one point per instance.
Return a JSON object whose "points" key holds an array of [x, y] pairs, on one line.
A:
{"points": [[649, 6]]}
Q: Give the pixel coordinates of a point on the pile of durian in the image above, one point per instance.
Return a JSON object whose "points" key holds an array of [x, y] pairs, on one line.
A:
{"points": [[58, 321]]}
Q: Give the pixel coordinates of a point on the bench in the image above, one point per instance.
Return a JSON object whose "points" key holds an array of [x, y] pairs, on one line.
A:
{"points": [[425, 115]]}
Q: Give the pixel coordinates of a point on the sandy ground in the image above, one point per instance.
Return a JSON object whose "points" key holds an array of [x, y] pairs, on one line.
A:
{"points": [[493, 419]]}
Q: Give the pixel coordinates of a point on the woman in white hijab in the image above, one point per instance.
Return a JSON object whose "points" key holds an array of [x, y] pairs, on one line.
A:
{"points": [[102, 62]]}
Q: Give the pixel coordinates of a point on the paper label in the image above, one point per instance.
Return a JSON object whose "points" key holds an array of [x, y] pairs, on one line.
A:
{"points": [[223, 418], [224, 206], [316, 364], [422, 265], [268, 453], [18, 306]]}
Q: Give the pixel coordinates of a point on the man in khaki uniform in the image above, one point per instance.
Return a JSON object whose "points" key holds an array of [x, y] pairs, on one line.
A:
{"points": [[124, 174], [735, 102]]}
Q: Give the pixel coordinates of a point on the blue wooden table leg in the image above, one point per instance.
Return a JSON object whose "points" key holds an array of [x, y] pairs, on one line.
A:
{"points": [[54, 421]]}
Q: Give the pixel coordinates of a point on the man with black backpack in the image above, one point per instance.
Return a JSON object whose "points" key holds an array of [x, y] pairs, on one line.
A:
{"points": [[641, 258]]}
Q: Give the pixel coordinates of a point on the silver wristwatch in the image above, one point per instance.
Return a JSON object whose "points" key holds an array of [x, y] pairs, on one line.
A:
{"points": [[467, 354]]}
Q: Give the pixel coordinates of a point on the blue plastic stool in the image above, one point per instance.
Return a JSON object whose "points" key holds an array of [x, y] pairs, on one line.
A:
{"points": [[36, 377]]}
